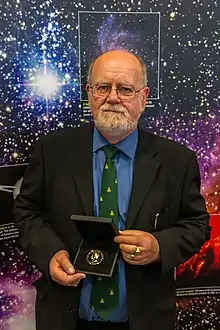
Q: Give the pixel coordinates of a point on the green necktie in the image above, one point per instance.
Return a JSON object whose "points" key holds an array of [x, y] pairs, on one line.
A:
{"points": [[105, 291]]}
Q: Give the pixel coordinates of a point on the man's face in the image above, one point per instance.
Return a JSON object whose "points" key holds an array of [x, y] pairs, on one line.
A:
{"points": [[112, 115]]}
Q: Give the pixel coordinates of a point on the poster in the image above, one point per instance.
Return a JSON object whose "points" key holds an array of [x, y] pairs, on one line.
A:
{"points": [[45, 50]]}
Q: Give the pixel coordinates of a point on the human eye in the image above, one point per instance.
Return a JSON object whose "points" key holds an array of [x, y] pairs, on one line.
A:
{"points": [[103, 88], [124, 90]]}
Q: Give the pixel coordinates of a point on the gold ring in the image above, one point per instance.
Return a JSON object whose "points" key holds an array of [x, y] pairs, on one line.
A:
{"points": [[132, 255], [138, 251]]}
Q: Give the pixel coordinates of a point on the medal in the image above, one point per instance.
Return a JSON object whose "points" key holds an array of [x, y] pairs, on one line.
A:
{"points": [[94, 257]]}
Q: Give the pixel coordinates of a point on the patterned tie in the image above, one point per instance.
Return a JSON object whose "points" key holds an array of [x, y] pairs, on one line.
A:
{"points": [[105, 291]]}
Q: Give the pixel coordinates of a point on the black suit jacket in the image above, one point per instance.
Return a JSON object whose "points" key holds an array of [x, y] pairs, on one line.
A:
{"points": [[59, 183]]}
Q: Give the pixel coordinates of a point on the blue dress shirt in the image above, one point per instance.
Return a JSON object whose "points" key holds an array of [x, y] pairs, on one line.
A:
{"points": [[124, 161]]}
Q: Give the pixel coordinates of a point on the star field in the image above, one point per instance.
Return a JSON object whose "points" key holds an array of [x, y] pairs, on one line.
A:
{"points": [[45, 47], [198, 313], [122, 31], [16, 292]]}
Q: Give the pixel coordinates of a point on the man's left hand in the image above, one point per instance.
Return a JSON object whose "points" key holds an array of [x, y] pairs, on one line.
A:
{"points": [[138, 247]]}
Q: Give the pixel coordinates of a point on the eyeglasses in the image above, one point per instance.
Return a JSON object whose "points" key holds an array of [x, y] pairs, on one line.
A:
{"points": [[123, 92]]}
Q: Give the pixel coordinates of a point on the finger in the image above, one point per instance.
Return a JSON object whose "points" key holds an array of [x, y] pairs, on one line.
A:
{"points": [[130, 232], [130, 240], [128, 256], [135, 261], [73, 280], [65, 263], [128, 248], [75, 284], [63, 278]]}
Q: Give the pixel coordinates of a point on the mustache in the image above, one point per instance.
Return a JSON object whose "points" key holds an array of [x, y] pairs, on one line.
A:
{"points": [[115, 108]]}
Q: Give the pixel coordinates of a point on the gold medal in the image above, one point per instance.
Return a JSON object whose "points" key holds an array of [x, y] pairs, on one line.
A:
{"points": [[94, 257]]}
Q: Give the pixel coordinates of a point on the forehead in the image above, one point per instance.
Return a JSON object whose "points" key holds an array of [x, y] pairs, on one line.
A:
{"points": [[125, 69]]}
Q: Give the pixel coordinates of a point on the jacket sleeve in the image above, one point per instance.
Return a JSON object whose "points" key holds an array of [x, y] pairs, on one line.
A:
{"points": [[37, 237], [192, 230]]}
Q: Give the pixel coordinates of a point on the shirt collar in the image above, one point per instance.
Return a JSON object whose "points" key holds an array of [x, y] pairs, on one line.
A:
{"points": [[127, 146]]}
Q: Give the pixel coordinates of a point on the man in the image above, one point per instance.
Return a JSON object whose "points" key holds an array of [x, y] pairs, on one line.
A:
{"points": [[161, 214]]}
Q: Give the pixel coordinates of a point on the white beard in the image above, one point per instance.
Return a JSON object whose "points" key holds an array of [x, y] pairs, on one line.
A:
{"points": [[114, 121]]}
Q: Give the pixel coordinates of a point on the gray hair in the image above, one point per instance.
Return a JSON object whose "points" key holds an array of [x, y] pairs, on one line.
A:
{"points": [[142, 65]]}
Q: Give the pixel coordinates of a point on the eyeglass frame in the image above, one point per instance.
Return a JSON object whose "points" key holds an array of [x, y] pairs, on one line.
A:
{"points": [[116, 89]]}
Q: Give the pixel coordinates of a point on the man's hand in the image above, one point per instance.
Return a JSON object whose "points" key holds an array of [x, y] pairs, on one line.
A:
{"points": [[62, 271], [138, 247]]}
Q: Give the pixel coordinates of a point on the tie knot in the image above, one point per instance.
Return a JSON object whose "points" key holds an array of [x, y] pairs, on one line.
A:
{"points": [[110, 151]]}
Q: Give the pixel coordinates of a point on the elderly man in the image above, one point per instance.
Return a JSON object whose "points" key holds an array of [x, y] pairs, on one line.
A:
{"points": [[155, 200]]}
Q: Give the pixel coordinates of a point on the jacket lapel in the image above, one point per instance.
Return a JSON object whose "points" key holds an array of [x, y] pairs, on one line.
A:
{"points": [[145, 170], [81, 160]]}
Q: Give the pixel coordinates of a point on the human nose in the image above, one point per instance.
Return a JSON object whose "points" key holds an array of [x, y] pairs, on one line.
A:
{"points": [[113, 96]]}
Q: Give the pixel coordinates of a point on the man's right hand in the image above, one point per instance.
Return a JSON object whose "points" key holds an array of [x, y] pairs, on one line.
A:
{"points": [[62, 271]]}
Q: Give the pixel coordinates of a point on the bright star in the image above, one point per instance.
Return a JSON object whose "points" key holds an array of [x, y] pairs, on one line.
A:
{"points": [[47, 84]]}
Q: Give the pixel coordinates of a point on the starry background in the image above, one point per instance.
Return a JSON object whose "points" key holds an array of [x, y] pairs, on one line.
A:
{"points": [[43, 70], [138, 32]]}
